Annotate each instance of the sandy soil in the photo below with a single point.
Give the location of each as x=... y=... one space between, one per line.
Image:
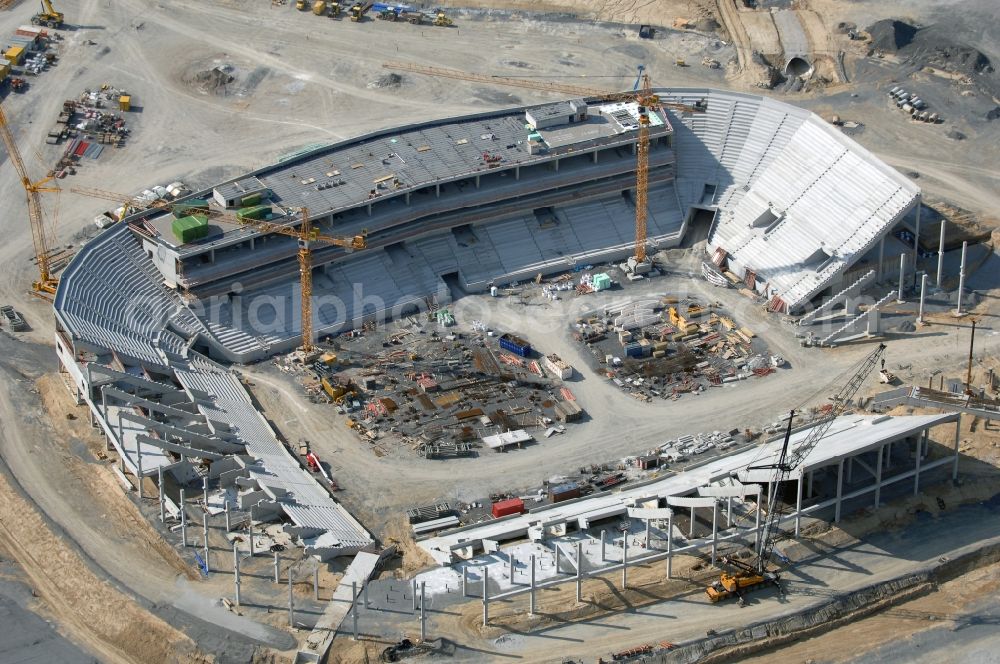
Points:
x=299 y=80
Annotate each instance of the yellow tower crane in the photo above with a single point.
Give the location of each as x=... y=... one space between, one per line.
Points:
x=305 y=234
x=46 y=284
x=644 y=97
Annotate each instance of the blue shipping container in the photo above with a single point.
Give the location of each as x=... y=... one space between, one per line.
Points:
x=515 y=345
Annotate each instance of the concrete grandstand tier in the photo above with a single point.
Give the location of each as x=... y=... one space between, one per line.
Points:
x=849 y=438
x=483 y=199
x=797 y=202
x=163 y=405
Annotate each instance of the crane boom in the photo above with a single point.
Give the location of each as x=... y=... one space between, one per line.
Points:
x=306 y=235
x=789 y=460
x=562 y=88
x=46 y=282
x=756 y=574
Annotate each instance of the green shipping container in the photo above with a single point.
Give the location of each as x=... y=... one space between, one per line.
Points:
x=255 y=212
x=252 y=199
x=187 y=208
x=191 y=228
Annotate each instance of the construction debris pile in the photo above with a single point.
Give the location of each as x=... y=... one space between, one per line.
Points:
x=441 y=393
x=663 y=348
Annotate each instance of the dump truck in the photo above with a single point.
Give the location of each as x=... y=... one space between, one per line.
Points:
x=48 y=17
x=319 y=7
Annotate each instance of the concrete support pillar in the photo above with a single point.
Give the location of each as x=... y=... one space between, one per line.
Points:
x=798 y=506
x=878 y=477
x=236 y=572
x=138 y=466
x=624 y=560
x=291 y=601
x=958 y=436
x=184 y=533
x=916 y=235
x=250 y=533
x=603 y=542
x=729 y=512
x=406 y=197
x=204 y=527
x=159 y=480
x=364 y=590
x=354 y=606
x=940 y=270
x=369 y=207
x=593 y=155
x=517 y=173
x=510 y=559
x=760 y=505
x=531 y=593
x=437 y=190
x=881 y=259
x=840 y=490
x=228 y=523
x=670 y=543
x=277 y=567
x=557 y=558
x=579 y=571
x=423 y=611
x=486 y=596
x=809 y=485
x=961 y=280
x=691 y=529
x=477 y=182
x=902 y=277
x=316 y=584
x=715 y=529
x=413 y=595
x=555 y=165
x=649 y=543
x=465 y=581
x=923 y=294
x=204 y=491
x=916 y=473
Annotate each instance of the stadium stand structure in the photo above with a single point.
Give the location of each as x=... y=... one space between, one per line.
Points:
x=125 y=340
x=143 y=318
x=797 y=202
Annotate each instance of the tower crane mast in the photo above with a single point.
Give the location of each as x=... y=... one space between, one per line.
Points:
x=305 y=234
x=46 y=284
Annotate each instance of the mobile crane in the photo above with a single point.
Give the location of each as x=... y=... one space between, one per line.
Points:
x=745 y=576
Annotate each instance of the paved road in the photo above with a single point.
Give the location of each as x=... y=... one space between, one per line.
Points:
x=24 y=635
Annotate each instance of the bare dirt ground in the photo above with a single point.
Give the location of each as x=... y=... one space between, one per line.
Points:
x=952 y=607
x=300 y=80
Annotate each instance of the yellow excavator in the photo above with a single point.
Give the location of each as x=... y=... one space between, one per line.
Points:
x=358 y=11
x=48 y=17
x=748 y=576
